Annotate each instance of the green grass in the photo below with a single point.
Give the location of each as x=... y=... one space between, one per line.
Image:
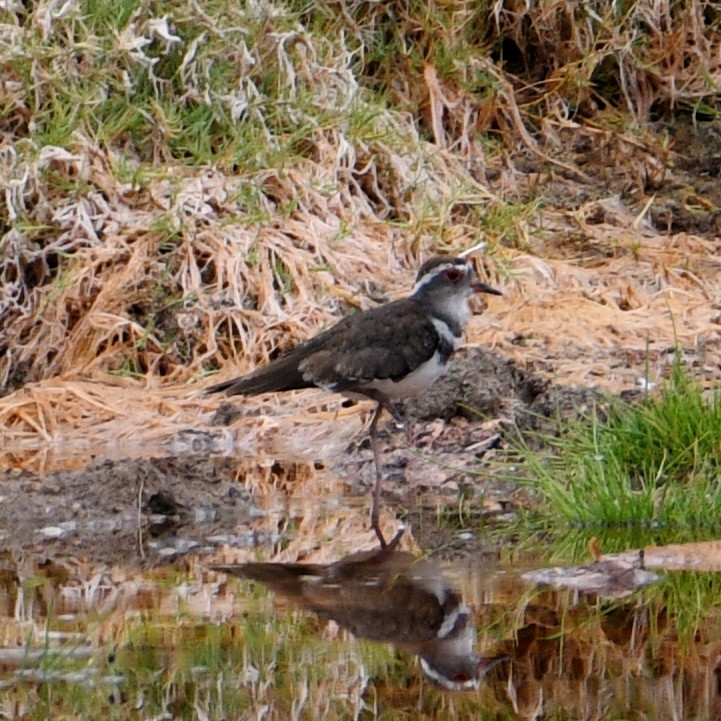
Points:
x=651 y=465
x=223 y=84
x=644 y=473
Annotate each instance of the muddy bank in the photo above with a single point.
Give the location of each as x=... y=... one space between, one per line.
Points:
x=156 y=510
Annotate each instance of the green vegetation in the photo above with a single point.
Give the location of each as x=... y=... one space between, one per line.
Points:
x=637 y=474
x=175 y=173
x=226 y=84
x=646 y=466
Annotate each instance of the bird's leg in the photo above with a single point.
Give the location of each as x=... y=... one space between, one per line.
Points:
x=400 y=417
x=382 y=403
x=375 y=507
x=395 y=540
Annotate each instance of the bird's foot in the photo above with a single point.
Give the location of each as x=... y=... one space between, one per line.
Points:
x=375 y=525
x=396 y=539
x=397 y=411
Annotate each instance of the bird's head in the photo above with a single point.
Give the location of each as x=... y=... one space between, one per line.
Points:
x=446 y=283
x=450 y=661
x=449 y=275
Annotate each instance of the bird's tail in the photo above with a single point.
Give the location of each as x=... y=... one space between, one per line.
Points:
x=278 y=576
x=280 y=375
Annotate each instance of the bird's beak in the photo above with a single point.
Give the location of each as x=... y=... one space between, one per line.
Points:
x=479 y=287
x=487 y=663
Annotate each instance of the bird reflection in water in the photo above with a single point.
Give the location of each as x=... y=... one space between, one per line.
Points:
x=388 y=596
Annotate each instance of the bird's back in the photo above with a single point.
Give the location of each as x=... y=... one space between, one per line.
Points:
x=376 y=344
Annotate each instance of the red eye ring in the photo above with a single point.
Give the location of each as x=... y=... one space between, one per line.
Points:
x=453 y=274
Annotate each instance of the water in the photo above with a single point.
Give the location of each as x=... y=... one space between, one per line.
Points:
x=102 y=620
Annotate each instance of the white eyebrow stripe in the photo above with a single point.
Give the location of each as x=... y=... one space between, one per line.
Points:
x=428 y=277
x=447 y=683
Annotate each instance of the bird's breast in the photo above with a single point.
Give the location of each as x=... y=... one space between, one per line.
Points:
x=415 y=382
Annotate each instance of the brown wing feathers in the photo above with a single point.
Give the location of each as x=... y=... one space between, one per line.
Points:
x=375 y=344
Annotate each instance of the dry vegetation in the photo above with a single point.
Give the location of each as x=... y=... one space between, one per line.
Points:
x=194 y=187
x=188 y=186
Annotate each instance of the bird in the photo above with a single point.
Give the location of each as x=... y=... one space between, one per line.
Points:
x=384 y=354
x=387 y=596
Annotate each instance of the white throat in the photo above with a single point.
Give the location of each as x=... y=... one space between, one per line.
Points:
x=454 y=307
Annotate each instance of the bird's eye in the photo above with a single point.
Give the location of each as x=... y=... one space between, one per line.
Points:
x=453 y=274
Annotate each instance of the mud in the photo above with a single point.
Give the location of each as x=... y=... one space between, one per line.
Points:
x=156 y=510
x=680 y=169
x=145 y=512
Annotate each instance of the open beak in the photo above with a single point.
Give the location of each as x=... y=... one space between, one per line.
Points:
x=479 y=287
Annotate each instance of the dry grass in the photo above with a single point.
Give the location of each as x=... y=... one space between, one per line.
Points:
x=613 y=311
x=204 y=187
x=191 y=188
x=619 y=318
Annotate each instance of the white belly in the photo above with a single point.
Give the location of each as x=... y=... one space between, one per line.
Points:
x=414 y=383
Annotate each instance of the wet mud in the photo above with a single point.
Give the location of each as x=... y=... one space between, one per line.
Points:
x=151 y=511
